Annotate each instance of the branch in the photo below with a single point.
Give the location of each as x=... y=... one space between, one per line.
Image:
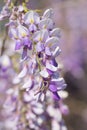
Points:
x=3 y=43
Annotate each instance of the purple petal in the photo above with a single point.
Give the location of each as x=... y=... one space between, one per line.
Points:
x=47 y=51
x=56 y=96
x=53 y=62
x=30 y=45
x=24 y=53
x=18 y=45
x=59 y=82
x=32 y=28
x=12 y=31
x=51 y=67
x=50 y=72
x=53 y=87
x=25 y=40
x=63 y=108
x=40 y=47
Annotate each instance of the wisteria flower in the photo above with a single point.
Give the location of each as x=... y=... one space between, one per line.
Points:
x=36 y=85
x=32 y=18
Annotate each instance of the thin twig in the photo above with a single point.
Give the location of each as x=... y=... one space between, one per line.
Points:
x=3 y=43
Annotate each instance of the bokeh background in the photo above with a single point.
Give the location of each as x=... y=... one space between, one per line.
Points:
x=71 y=17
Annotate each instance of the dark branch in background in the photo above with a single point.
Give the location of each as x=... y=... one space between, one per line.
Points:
x=15 y=2
x=3 y=43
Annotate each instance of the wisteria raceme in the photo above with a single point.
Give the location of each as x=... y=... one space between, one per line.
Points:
x=6 y=75
x=39 y=41
x=29 y=114
x=22 y=111
x=39 y=79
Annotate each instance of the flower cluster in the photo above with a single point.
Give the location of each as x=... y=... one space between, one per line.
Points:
x=39 y=41
x=22 y=111
x=6 y=75
x=32 y=115
x=5 y=13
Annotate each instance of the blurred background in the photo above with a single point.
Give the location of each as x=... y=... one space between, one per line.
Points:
x=71 y=17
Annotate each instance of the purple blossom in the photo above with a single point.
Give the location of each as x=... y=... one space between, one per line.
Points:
x=5 y=13
x=39 y=75
x=39 y=32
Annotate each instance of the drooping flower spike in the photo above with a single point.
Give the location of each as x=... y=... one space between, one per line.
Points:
x=39 y=79
x=37 y=36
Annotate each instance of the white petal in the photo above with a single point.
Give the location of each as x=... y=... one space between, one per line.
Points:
x=23 y=72
x=63 y=94
x=20 y=8
x=27 y=97
x=16 y=80
x=56 y=52
x=55 y=125
x=48 y=13
x=12 y=33
x=10 y=91
x=58 y=116
x=38 y=109
x=44 y=73
x=55 y=32
x=5 y=61
x=57 y=79
x=22 y=31
x=37 y=36
x=36 y=18
x=28 y=84
x=51 y=67
x=64 y=128
x=28 y=18
x=52 y=112
x=44 y=35
x=31 y=17
x=41 y=35
x=60 y=82
x=52 y=42
x=39 y=120
x=46 y=24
